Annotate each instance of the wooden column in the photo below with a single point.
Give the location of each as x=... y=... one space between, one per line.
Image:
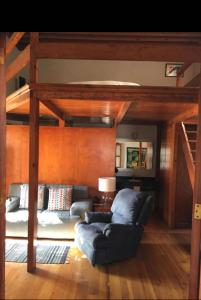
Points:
x=33 y=158
x=196 y=224
x=2 y=161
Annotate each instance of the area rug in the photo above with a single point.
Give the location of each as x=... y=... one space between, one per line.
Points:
x=45 y=253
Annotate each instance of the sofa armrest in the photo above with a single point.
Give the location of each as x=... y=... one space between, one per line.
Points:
x=12 y=203
x=79 y=208
x=102 y=217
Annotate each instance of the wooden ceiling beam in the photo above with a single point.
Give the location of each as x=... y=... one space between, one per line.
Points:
x=166 y=37
x=190 y=113
x=12 y=42
x=194 y=82
x=184 y=68
x=120 y=50
x=19 y=63
x=122 y=111
x=115 y=93
x=60 y=115
x=181 y=72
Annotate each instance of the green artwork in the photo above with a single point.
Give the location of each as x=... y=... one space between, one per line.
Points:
x=134 y=159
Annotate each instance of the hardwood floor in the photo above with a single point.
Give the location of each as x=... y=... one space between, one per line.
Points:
x=160 y=270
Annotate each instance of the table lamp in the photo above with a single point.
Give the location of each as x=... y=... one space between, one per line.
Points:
x=107 y=185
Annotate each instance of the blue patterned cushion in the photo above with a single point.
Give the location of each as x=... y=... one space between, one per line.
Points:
x=60 y=198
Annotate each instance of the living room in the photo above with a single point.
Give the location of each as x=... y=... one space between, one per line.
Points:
x=74 y=154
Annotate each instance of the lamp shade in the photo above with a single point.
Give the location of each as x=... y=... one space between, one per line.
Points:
x=107 y=184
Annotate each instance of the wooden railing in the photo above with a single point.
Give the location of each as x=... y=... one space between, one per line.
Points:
x=187 y=154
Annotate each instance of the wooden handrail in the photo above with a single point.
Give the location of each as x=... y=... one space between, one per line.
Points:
x=187 y=154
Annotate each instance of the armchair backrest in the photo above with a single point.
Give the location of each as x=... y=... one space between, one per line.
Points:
x=130 y=207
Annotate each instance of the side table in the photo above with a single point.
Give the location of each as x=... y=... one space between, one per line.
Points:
x=101 y=207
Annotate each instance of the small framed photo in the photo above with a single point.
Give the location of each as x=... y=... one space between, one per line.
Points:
x=171 y=70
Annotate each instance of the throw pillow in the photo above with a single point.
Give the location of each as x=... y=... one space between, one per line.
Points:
x=12 y=203
x=60 y=198
x=24 y=196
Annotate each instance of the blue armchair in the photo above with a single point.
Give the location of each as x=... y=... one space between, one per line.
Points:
x=113 y=236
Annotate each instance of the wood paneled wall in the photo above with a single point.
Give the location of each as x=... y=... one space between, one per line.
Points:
x=183 y=191
x=175 y=200
x=67 y=155
x=165 y=176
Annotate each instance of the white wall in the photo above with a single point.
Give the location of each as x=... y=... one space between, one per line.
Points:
x=146 y=133
x=64 y=71
x=144 y=73
x=191 y=72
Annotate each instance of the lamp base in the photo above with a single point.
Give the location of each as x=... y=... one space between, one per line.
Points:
x=106 y=198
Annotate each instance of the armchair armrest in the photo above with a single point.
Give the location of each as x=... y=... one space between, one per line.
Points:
x=113 y=230
x=79 y=208
x=102 y=217
x=88 y=233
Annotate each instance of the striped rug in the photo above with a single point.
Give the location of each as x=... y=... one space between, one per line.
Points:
x=45 y=253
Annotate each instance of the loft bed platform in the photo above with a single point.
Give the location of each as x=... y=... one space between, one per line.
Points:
x=131 y=103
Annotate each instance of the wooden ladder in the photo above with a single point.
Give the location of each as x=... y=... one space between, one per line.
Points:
x=188 y=133
x=191 y=131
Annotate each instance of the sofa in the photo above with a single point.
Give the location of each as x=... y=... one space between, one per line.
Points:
x=107 y=237
x=53 y=222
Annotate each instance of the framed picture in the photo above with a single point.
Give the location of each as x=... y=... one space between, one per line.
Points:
x=171 y=70
x=135 y=159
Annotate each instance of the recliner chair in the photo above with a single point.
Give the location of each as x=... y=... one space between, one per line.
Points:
x=106 y=237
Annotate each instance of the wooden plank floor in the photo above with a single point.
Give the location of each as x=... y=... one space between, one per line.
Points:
x=160 y=270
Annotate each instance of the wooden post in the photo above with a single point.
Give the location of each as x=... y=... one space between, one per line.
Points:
x=2 y=161
x=33 y=158
x=140 y=155
x=196 y=224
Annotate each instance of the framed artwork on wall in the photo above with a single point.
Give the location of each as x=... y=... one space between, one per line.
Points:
x=171 y=70
x=136 y=157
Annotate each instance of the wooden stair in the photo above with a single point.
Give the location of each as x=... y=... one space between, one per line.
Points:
x=188 y=133
x=191 y=131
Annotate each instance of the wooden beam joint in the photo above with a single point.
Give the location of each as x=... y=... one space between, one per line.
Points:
x=55 y=111
x=12 y=42
x=18 y=64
